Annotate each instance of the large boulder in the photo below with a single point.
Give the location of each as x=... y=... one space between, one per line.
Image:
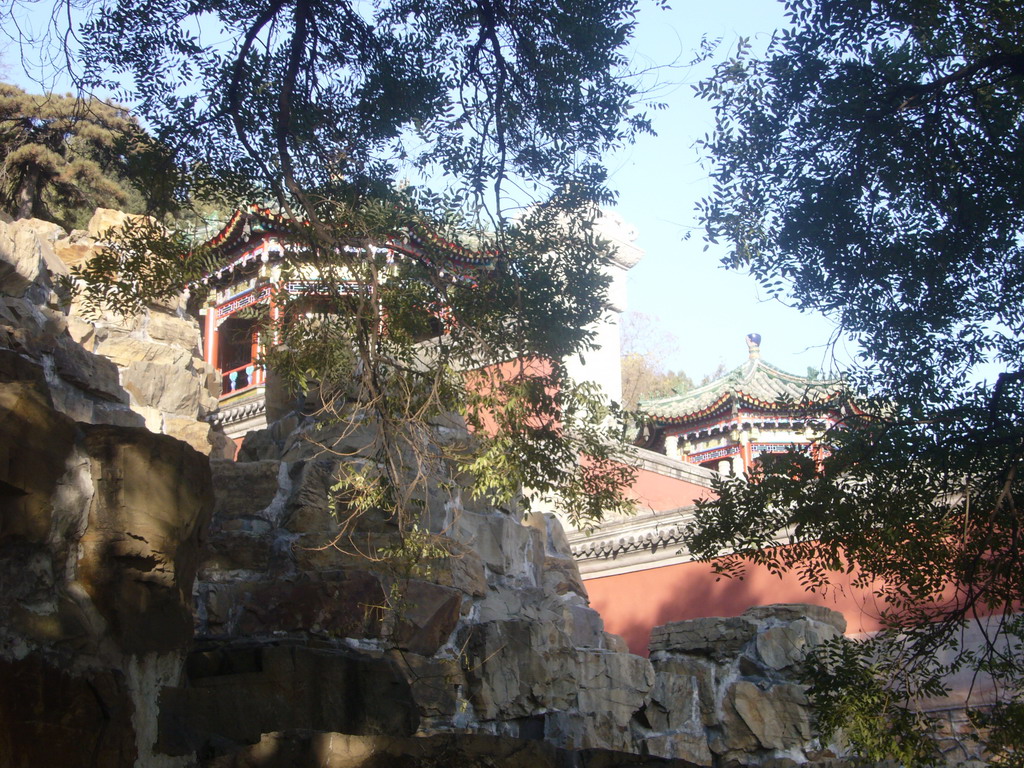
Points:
x=100 y=527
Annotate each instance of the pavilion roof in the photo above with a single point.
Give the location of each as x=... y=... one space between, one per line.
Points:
x=416 y=239
x=244 y=223
x=756 y=385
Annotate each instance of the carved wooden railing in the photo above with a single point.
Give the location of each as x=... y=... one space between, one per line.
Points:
x=242 y=378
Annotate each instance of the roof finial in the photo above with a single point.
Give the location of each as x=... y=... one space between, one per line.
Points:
x=754 y=345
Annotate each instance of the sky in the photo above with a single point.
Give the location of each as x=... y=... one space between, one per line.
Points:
x=708 y=309
x=700 y=311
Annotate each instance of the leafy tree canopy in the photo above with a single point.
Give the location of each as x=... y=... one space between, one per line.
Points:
x=870 y=162
x=63 y=157
x=481 y=120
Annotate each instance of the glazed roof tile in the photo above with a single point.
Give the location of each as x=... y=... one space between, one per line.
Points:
x=755 y=384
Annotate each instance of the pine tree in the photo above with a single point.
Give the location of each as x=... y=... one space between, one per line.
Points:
x=64 y=156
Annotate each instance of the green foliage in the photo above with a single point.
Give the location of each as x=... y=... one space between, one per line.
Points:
x=303 y=97
x=554 y=440
x=1004 y=726
x=857 y=708
x=326 y=109
x=868 y=162
x=139 y=262
x=63 y=157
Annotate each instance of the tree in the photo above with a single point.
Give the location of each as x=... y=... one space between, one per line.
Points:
x=869 y=162
x=644 y=349
x=331 y=111
x=63 y=157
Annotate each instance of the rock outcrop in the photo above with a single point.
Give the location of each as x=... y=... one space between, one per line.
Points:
x=727 y=691
x=102 y=368
x=494 y=638
x=161 y=611
x=99 y=542
x=100 y=517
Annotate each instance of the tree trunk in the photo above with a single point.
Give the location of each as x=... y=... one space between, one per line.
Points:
x=28 y=192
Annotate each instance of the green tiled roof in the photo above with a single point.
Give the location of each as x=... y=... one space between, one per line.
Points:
x=755 y=384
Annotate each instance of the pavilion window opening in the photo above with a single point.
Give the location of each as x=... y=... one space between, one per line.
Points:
x=238 y=352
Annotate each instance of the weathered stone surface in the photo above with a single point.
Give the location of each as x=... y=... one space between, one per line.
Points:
x=173 y=331
x=425 y=616
x=21 y=257
x=502 y=602
x=516 y=668
x=36 y=444
x=561 y=576
x=785 y=646
x=348 y=605
x=462 y=569
x=505 y=546
x=787 y=612
x=612 y=687
x=73 y=253
x=259 y=446
x=309 y=506
x=703 y=674
x=237 y=693
x=776 y=718
x=140 y=550
x=615 y=643
x=125 y=350
x=674 y=704
x=316 y=552
x=197 y=434
x=714 y=637
x=495 y=637
x=93 y=374
x=731 y=686
x=681 y=746
x=53 y=717
x=337 y=750
x=99 y=538
x=106 y=219
x=350 y=440
x=82 y=332
x=161 y=386
x=586 y=627
x=243 y=488
x=436 y=685
x=47 y=231
x=100 y=388
x=30 y=328
x=236 y=550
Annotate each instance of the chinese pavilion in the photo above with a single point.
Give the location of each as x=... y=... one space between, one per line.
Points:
x=250 y=251
x=755 y=409
x=721 y=427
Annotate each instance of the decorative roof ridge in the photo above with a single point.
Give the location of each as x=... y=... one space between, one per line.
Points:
x=709 y=387
x=732 y=383
x=416 y=238
x=653 y=532
x=774 y=370
x=237 y=221
x=754 y=384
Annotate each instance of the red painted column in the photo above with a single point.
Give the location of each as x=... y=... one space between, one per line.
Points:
x=211 y=336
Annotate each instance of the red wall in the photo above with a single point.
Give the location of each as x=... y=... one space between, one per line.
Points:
x=659 y=492
x=631 y=604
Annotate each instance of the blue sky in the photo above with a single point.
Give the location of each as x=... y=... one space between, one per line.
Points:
x=707 y=309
